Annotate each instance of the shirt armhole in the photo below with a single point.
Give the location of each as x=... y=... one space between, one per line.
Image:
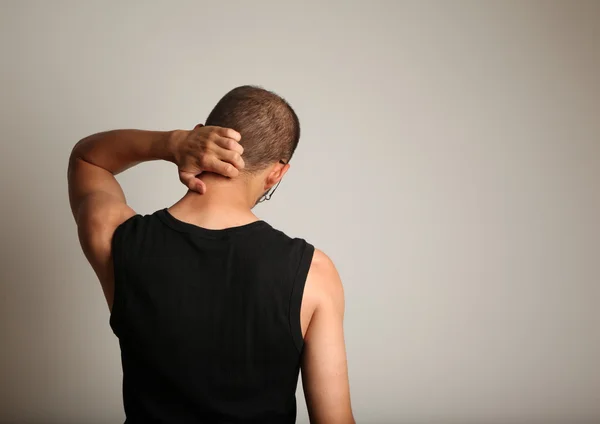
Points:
x=297 y=293
x=117 y=251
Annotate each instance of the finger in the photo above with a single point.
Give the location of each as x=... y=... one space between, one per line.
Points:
x=228 y=133
x=190 y=181
x=186 y=179
x=219 y=167
x=230 y=156
x=229 y=144
x=200 y=186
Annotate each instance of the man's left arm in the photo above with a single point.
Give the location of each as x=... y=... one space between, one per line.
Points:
x=97 y=200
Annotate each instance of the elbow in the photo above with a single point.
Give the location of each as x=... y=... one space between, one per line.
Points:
x=72 y=164
x=77 y=150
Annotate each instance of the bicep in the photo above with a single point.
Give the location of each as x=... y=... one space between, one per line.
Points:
x=324 y=364
x=98 y=205
x=98 y=217
x=87 y=180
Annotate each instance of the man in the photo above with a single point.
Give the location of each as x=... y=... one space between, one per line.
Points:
x=214 y=309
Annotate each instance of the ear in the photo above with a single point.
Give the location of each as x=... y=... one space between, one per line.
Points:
x=276 y=175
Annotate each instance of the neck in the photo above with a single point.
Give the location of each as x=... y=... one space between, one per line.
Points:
x=227 y=203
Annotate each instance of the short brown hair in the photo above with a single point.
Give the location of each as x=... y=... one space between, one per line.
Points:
x=268 y=125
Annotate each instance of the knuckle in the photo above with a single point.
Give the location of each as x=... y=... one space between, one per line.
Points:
x=204 y=161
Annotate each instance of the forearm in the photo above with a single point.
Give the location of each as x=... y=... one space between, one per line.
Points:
x=117 y=150
x=95 y=160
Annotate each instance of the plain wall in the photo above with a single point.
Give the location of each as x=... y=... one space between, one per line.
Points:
x=449 y=164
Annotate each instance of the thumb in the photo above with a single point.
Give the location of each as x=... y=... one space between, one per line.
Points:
x=190 y=180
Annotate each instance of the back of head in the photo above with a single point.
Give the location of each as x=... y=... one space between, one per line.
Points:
x=268 y=125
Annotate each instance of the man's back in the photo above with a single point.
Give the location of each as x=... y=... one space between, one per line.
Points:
x=215 y=310
x=208 y=320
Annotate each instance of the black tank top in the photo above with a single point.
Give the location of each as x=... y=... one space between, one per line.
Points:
x=208 y=321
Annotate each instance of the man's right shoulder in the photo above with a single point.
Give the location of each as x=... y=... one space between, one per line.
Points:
x=322 y=265
x=323 y=283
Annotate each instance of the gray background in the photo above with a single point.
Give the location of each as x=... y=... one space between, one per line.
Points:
x=449 y=164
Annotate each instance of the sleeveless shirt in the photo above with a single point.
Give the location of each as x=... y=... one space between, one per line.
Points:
x=208 y=321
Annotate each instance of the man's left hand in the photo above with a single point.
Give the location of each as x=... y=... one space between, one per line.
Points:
x=206 y=149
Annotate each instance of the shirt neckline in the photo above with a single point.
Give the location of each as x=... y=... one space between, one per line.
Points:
x=186 y=227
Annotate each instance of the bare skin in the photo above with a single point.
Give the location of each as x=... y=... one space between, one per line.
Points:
x=220 y=199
